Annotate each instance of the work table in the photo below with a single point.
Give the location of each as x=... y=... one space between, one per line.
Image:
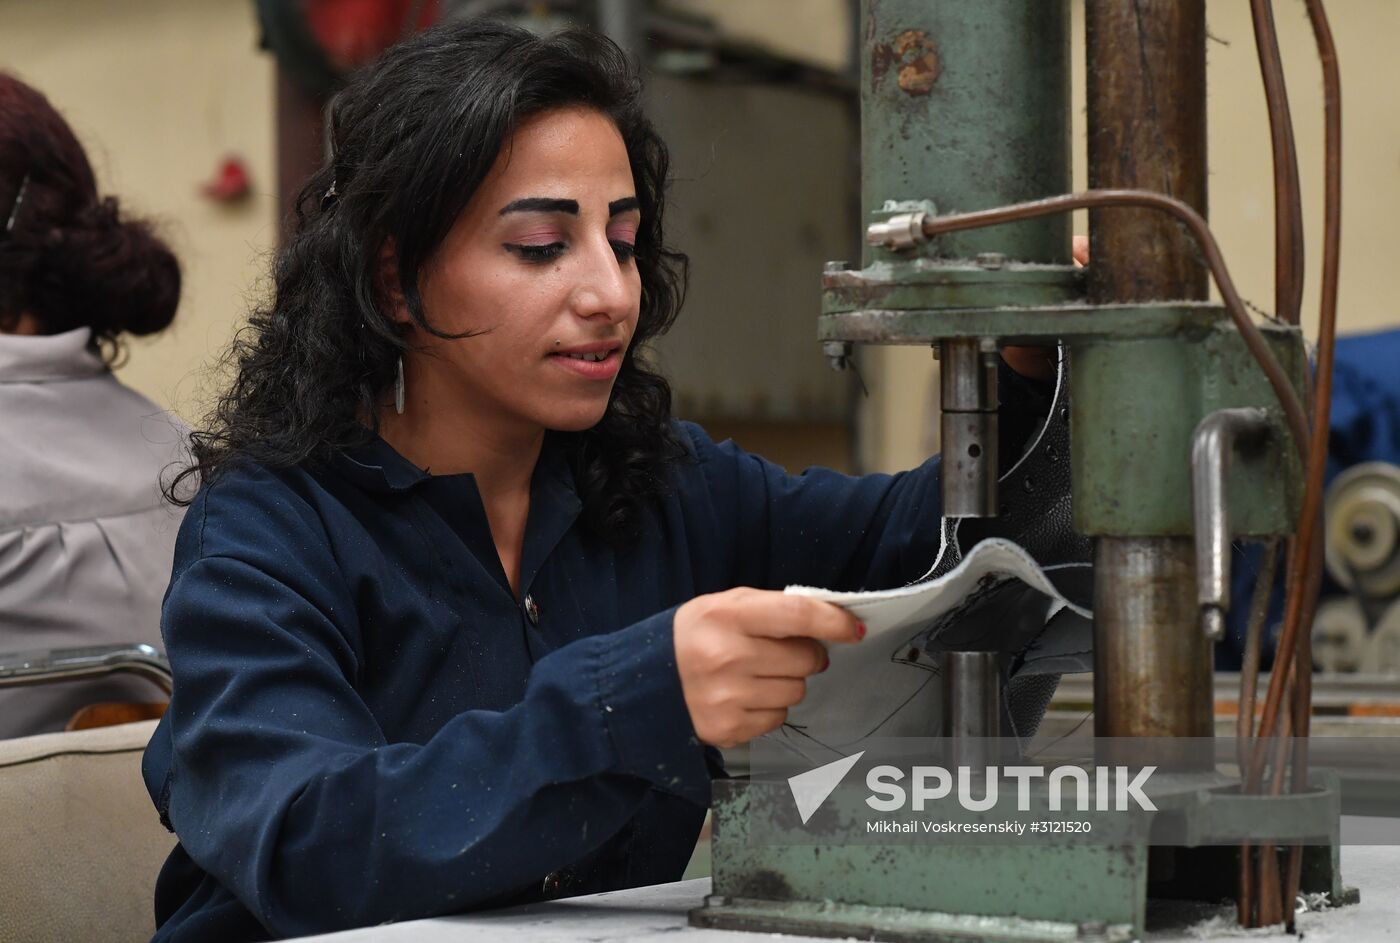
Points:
x=657 y=914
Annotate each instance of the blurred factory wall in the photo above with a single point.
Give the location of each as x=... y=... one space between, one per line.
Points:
x=159 y=91
x=748 y=158
x=1241 y=182
x=765 y=191
x=813 y=31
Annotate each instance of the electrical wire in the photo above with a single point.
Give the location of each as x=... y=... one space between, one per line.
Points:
x=1294 y=655
x=1302 y=706
x=1253 y=644
x=1326 y=351
x=1300 y=590
x=1271 y=904
x=1244 y=717
x=1288 y=200
x=1288 y=288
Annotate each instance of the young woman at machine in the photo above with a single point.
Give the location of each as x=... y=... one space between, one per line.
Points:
x=460 y=612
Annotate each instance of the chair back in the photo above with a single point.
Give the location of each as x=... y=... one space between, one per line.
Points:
x=82 y=842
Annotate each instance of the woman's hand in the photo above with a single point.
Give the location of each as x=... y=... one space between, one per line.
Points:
x=1038 y=363
x=744 y=656
x=1079 y=250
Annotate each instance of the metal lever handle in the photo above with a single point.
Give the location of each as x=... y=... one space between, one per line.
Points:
x=1212 y=444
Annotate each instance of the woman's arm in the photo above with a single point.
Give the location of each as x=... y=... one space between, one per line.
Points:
x=820 y=528
x=842 y=532
x=281 y=784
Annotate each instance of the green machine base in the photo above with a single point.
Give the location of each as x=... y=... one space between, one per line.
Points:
x=1039 y=891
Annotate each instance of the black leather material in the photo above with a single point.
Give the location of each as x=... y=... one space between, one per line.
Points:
x=1035 y=512
x=1034 y=502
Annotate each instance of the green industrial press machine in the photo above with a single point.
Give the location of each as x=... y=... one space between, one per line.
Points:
x=1180 y=444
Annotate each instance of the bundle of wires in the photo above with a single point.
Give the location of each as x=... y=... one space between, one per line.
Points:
x=1281 y=737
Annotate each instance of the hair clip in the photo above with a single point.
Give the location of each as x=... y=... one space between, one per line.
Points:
x=19 y=200
x=330 y=193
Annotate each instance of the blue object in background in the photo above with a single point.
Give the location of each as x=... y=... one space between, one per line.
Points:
x=1365 y=427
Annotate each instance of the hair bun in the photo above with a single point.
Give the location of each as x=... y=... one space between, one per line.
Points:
x=104 y=214
x=113 y=275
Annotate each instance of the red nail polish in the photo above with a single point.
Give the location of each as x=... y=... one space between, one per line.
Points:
x=825 y=665
x=860 y=630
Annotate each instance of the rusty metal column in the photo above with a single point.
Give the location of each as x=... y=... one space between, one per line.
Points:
x=1147 y=128
x=1146 y=76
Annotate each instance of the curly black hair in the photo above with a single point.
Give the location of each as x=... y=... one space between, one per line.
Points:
x=412 y=137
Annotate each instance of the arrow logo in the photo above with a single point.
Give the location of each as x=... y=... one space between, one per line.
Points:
x=810 y=789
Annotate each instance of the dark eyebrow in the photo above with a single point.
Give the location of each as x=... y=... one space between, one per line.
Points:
x=541 y=204
x=622 y=206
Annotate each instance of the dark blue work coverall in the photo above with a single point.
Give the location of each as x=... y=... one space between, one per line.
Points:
x=367 y=725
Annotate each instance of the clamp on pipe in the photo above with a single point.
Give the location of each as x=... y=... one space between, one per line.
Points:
x=1212 y=444
x=899 y=232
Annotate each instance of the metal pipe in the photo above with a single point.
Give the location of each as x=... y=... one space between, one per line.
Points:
x=1146 y=84
x=1214 y=441
x=1146 y=70
x=968 y=377
x=1152 y=670
x=972 y=706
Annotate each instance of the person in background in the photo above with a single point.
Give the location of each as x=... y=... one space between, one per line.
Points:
x=86 y=539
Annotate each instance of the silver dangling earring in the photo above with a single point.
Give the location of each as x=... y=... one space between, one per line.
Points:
x=398 y=389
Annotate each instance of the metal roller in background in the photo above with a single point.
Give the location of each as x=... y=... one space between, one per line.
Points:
x=1340 y=638
x=1363 y=530
x=1383 y=646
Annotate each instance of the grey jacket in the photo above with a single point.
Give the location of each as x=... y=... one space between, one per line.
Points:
x=86 y=540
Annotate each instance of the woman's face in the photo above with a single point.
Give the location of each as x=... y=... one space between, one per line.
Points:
x=540 y=265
